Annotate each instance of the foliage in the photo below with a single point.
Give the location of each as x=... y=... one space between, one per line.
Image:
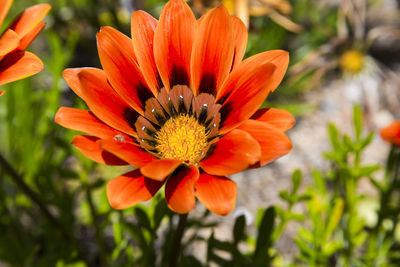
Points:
x=64 y=219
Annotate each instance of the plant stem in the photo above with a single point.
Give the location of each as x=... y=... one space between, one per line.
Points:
x=97 y=227
x=176 y=247
x=17 y=179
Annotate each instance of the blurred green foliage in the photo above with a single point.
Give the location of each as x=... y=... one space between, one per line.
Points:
x=87 y=232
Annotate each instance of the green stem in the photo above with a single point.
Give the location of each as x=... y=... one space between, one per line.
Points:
x=176 y=248
x=17 y=179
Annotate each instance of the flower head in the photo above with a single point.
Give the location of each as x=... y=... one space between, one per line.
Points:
x=15 y=63
x=177 y=102
x=391 y=133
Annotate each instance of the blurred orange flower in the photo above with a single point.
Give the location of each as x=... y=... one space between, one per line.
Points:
x=391 y=133
x=15 y=63
x=177 y=102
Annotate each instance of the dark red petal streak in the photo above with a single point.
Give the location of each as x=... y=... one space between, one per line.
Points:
x=217 y=193
x=173 y=40
x=179 y=190
x=103 y=101
x=117 y=58
x=129 y=152
x=89 y=146
x=130 y=189
x=213 y=51
x=235 y=152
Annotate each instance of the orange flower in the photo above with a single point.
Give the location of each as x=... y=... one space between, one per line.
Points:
x=15 y=63
x=176 y=102
x=391 y=133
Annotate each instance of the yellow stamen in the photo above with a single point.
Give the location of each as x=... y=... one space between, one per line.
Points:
x=182 y=138
x=352 y=61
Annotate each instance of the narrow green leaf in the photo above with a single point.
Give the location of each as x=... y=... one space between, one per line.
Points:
x=238 y=229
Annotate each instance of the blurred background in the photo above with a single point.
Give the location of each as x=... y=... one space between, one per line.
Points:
x=343 y=53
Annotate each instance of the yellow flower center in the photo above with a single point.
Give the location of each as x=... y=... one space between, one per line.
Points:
x=352 y=61
x=182 y=138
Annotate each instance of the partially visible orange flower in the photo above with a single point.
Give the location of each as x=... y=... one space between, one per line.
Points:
x=177 y=102
x=15 y=63
x=391 y=133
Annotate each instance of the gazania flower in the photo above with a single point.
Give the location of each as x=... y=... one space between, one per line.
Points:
x=15 y=64
x=176 y=102
x=391 y=133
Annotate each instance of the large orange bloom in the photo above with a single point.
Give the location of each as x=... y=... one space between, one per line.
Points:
x=391 y=133
x=176 y=102
x=15 y=63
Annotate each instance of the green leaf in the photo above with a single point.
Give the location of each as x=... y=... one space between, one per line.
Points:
x=161 y=210
x=296 y=180
x=366 y=141
x=357 y=120
x=334 y=218
x=238 y=229
x=143 y=218
x=285 y=196
x=261 y=255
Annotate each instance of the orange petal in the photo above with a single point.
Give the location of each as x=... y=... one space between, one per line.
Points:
x=179 y=190
x=2 y=92
x=235 y=152
x=213 y=51
x=173 y=40
x=240 y=37
x=30 y=36
x=89 y=147
x=4 y=8
x=273 y=142
x=217 y=193
x=279 y=58
x=130 y=189
x=93 y=87
x=8 y=42
x=143 y=26
x=28 y=19
x=391 y=133
x=85 y=121
x=115 y=51
x=128 y=152
x=159 y=169
x=18 y=66
x=279 y=118
x=249 y=90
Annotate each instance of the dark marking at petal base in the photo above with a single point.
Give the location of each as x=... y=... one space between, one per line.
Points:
x=225 y=111
x=203 y=115
x=172 y=110
x=208 y=84
x=143 y=93
x=149 y=132
x=181 y=106
x=160 y=118
x=179 y=76
x=130 y=116
x=150 y=142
